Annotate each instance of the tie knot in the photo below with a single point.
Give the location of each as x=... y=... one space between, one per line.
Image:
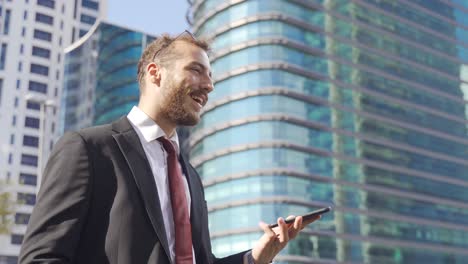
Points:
x=167 y=145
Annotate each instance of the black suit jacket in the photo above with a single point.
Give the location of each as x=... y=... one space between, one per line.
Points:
x=98 y=203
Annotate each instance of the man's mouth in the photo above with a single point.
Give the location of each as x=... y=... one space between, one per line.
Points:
x=200 y=99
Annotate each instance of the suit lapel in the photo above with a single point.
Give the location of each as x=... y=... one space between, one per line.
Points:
x=196 y=204
x=130 y=146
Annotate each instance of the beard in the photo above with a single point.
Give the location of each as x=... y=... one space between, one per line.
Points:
x=175 y=106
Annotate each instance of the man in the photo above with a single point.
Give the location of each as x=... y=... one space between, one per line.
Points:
x=121 y=193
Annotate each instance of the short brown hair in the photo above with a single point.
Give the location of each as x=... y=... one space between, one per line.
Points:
x=162 y=52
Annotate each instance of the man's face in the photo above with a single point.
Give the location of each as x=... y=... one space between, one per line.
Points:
x=186 y=85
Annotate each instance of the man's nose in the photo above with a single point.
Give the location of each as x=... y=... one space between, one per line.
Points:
x=207 y=85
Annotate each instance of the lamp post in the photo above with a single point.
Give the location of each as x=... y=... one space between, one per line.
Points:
x=43 y=104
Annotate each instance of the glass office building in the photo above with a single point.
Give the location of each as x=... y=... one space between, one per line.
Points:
x=117 y=89
x=361 y=105
x=101 y=69
x=79 y=82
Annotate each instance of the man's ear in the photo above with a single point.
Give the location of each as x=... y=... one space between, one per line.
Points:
x=153 y=72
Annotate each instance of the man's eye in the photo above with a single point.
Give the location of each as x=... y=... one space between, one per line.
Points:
x=197 y=70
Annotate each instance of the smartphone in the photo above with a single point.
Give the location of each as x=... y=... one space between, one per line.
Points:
x=306 y=217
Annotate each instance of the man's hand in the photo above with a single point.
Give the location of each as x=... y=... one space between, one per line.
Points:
x=274 y=240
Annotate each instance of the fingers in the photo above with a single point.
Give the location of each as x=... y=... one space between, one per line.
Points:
x=269 y=244
x=298 y=223
x=296 y=227
x=283 y=234
x=266 y=229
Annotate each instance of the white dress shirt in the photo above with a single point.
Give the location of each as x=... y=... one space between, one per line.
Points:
x=148 y=132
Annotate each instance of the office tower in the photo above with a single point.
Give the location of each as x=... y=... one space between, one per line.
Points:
x=33 y=36
x=117 y=89
x=355 y=104
x=101 y=70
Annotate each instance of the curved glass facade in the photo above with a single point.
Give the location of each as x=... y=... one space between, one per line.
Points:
x=361 y=105
x=117 y=88
x=79 y=84
x=100 y=76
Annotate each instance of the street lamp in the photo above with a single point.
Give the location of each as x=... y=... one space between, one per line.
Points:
x=43 y=103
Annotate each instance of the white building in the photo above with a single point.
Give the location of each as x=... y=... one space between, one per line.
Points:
x=33 y=37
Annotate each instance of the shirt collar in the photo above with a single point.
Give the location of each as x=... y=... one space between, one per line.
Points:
x=147 y=127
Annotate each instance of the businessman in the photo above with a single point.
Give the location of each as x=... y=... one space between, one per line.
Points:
x=122 y=193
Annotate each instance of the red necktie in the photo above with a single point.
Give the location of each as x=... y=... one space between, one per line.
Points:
x=180 y=213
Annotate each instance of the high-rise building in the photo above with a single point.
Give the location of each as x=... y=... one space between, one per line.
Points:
x=100 y=79
x=117 y=89
x=354 y=104
x=33 y=36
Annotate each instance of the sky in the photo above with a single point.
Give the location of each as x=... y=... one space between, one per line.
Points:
x=150 y=16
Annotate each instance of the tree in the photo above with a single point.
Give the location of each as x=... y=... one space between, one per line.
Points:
x=6 y=209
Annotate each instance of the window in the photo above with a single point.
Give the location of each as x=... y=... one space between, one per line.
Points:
x=75 y=9
x=31 y=141
x=6 y=22
x=33 y=105
x=40 y=52
x=9 y=259
x=16 y=239
x=20 y=66
x=87 y=19
x=3 y=56
x=29 y=160
x=46 y=3
x=1 y=90
x=90 y=4
x=12 y=139
x=10 y=158
x=21 y=49
x=13 y=121
x=16 y=102
x=31 y=122
x=28 y=179
x=39 y=69
x=73 y=34
x=23 y=32
x=73 y=67
x=83 y=32
x=44 y=19
x=22 y=218
x=26 y=198
x=18 y=84
x=42 y=35
x=25 y=15
x=37 y=87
